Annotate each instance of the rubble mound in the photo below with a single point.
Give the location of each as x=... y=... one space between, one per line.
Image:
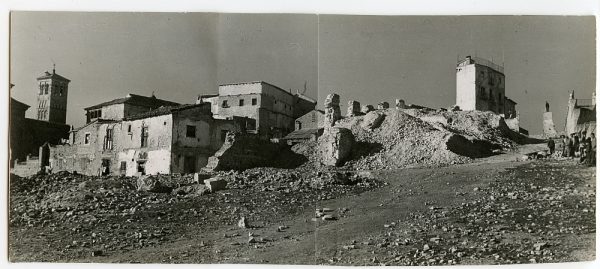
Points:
x=411 y=137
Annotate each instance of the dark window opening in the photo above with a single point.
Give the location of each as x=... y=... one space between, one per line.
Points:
x=254 y=101
x=190 y=131
x=144 y=142
x=129 y=128
x=224 y=104
x=105 y=167
x=224 y=135
x=141 y=167
x=123 y=168
x=241 y=102
x=108 y=139
x=86 y=140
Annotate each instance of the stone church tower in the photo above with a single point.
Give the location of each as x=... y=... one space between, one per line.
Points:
x=52 y=97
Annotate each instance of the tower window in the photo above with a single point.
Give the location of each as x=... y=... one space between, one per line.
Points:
x=224 y=104
x=241 y=102
x=45 y=88
x=253 y=101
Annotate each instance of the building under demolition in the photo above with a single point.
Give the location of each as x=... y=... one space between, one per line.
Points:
x=273 y=108
x=169 y=139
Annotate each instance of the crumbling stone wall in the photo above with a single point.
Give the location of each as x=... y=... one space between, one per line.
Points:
x=332 y=109
x=335 y=146
x=353 y=109
x=244 y=151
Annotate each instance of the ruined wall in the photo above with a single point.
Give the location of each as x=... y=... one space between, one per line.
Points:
x=30 y=166
x=243 y=151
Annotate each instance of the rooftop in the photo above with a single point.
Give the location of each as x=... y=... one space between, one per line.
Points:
x=164 y=110
x=256 y=82
x=53 y=75
x=136 y=100
x=480 y=61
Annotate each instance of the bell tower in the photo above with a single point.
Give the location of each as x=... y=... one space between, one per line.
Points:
x=52 y=97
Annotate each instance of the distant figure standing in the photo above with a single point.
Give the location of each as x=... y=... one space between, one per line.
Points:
x=566 y=149
x=551 y=146
x=575 y=148
x=570 y=147
x=589 y=151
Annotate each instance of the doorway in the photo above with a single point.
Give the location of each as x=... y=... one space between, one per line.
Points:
x=189 y=164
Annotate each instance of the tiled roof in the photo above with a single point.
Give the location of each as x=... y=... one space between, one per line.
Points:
x=53 y=75
x=15 y=103
x=95 y=121
x=164 y=110
x=302 y=134
x=257 y=82
x=136 y=100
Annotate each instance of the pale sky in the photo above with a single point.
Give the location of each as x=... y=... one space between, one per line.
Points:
x=364 y=58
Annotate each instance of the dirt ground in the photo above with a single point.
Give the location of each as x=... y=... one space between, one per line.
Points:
x=497 y=210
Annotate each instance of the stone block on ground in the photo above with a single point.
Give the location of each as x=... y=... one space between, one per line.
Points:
x=151 y=183
x=215 y=184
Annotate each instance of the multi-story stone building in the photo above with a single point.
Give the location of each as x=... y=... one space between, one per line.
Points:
x=273 y=108
x=480 y=86
x=175 y=139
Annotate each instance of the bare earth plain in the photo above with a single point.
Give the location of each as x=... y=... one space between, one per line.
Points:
x=496 y=210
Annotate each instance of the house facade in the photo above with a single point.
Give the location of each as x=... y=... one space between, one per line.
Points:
x=480 y=85
x=166 y=140
x=273 y=108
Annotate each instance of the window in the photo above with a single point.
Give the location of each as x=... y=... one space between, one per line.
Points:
x=45 y=88
x=482 y=92
x=253 y=101
x=129 y=128
x=108 y=139
x=224 y=104
x=86 y=139
x=241 y=102
x=314 y=117
x=60 y=91
x=123 y=168
x=144 y=142
x=41 y=88
x=190 y=131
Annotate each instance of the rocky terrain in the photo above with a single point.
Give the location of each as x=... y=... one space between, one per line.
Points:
x=418 y=187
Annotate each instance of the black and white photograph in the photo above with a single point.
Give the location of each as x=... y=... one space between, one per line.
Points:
x=300 y=138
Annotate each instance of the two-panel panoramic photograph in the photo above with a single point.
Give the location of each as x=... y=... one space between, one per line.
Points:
x=295 y=138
